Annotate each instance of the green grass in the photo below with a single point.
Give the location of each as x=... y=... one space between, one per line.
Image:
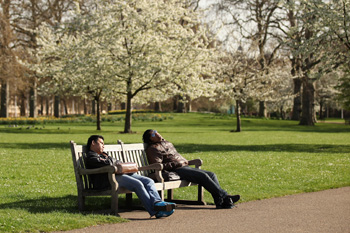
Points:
x=269 y=158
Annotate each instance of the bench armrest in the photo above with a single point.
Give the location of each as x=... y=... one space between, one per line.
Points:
x=155 y=166
x=196 y=162
x=106 y=169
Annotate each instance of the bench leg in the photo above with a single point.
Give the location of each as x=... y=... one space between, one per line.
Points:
x=114 y=203
x=81 y=202
x=128 y=199
x=161 y=194
x=201 y=195
x=170 y=195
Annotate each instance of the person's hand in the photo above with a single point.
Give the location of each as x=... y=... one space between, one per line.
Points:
x=183 y=163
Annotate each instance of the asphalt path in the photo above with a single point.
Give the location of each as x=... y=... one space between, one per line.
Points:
x=325 y=211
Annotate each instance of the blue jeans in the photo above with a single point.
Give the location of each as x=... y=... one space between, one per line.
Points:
x=204 y=178
x=143 y=187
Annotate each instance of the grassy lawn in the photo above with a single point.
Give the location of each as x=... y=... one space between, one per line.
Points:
x=269 y=158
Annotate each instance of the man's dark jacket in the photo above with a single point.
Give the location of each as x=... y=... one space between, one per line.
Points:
x=94 y=160
x=165 y=153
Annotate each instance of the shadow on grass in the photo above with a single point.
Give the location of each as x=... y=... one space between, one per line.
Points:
x=67 y=204
x=45 y=204
x=309 y=148
x=41 y=131
x=31 y=145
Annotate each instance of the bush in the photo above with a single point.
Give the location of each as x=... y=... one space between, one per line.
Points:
x=114 y=112
x=81 y=119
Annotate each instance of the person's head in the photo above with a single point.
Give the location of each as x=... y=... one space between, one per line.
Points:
x=96 y=143
x=151 y=136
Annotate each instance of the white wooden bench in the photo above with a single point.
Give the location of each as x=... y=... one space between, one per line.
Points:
x=126 y=153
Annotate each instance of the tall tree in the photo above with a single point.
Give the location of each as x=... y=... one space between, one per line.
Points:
x=318 y=42
x=255 y=21
x=302 y=42
x=6 y=56
x=237 y=80
x=123 y=49
x=334 y=28
x=295 y=33
x=26 y=16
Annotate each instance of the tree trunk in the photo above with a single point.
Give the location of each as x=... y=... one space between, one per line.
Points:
x=307 y=116
x=297 y=99
x=282 y=116
x=98 y=113
x=175 y=103
x=181 y=106
x=41 y=106
x=85 y=107
x=57 y=109
x=5 y=95
x=6 y=57
x=262 y=109
x=238 y=115
x=22 y=109
x=157 y=106
x=65 y=107
x=122 y=106
x=32 y=102
x=321 y=116
x=127 y=126
x=47 y=106
x=93 y=107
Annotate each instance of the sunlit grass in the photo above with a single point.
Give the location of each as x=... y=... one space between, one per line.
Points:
x=269 y=158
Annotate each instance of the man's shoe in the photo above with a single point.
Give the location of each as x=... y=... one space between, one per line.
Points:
x=162 y=214
x=164 y=206
x=231 y=199
x=228 y=202
x=225 y=206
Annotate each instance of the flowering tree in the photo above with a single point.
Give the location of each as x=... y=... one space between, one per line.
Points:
x=253 y=22
x=326 y=91
x=239 y=78
x=334 y=27
x=122 y=49
x=318 y=41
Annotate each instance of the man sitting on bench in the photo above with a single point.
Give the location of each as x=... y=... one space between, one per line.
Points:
x=159 y=150
x=142 y=186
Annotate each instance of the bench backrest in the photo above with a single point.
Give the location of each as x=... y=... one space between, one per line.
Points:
x=123 y=152
x=135 y=153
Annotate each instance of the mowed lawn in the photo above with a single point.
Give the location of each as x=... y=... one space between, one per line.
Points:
x=269 y=158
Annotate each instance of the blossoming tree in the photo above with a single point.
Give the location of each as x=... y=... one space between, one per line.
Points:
x=122 y=49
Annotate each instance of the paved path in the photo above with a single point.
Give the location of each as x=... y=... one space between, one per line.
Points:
x=326 y=211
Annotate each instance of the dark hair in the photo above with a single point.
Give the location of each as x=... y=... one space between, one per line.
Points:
x=146 y=137
x=93 y=138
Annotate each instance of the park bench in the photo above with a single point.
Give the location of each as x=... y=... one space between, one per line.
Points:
x=126 y=153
